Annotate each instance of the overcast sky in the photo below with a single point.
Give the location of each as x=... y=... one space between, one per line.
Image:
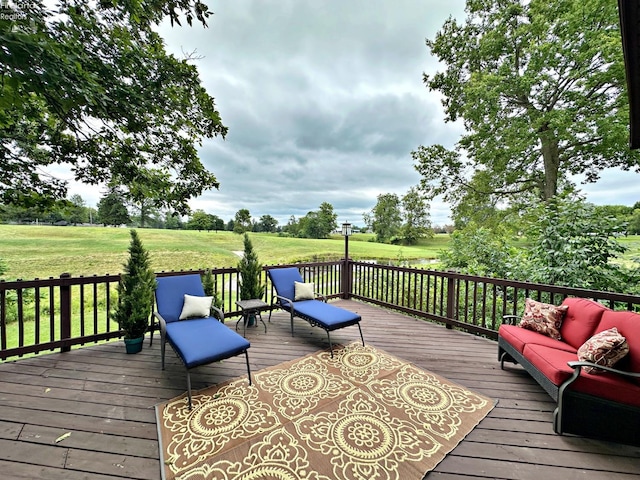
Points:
x=324 y=101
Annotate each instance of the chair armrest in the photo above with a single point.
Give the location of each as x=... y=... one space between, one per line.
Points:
x=217 y=313
x=161 y=322
x=288 y=300
x=510 y=319
x=321 y=297
x=577 y=366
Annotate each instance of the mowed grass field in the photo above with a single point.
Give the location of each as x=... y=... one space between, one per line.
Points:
x=40 y=251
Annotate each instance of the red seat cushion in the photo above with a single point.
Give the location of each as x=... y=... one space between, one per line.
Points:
x=519 y=337
x=628 y=324
x=581 y=320
x=552 y=364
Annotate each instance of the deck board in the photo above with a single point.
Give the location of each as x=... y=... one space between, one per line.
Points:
x=105 y=400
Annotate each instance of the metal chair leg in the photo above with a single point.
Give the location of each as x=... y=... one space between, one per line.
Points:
x=361 y=337
x=246 y=354
x=330 y=345
x=189 y=387
x=292 y=323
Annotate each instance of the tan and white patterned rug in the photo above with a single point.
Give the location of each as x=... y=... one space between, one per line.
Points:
x=363 y=414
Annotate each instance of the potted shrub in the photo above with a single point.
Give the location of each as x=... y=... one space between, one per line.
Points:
x=135 y=296
x=250 y=270
x=209 y=287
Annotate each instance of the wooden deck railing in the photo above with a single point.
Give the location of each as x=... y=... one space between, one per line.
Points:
x=58 y=313
x=476 y=304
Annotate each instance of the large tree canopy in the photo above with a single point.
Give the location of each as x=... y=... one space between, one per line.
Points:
x=539 y=86
x=88 y=85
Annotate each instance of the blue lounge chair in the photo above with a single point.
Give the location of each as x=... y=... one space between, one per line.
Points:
x=197 y=341
x=317 y=312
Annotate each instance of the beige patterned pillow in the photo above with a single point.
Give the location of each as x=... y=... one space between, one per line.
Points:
x=303 y=291
x=543 y=318
x=604 y=348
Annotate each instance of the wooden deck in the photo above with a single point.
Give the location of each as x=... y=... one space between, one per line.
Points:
x=104 y=399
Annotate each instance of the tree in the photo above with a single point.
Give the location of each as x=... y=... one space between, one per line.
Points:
x=385 y=219
x=199 y=220
x=267 y=224
x=218 y=223
x=292 y=227
x=173 y=221
x=416 y=217
x=89 y=85
x=477 y=250
x=571 y=245
x=318 y=224
x=242 y=221
x=634 y=222
x=76 y=211
x=539 y=86
x=112 y=210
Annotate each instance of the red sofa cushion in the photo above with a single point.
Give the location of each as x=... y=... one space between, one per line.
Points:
x=519 y=337
x=552 y=363
x=628 y=324
x=581 y=320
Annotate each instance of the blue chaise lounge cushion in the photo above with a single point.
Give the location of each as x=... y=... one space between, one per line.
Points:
x=194 y=340
x=328 y=316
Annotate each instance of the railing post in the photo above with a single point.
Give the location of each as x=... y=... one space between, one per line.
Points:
x=65 y=311
x=451 y=300
x=345 y=281
x=346 y=272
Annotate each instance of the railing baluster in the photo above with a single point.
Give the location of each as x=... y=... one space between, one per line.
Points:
x=36 y=311
x=3 y=320
x=52 y=320
x=449 y=297
x=95 y=308
x=82 y=315
x=20 y=310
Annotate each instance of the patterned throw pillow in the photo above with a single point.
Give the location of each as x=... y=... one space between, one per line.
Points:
x=543 y=318
x=604 y=348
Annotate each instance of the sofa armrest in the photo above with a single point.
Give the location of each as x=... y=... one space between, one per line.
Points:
x=510 y=319
x=577 y=366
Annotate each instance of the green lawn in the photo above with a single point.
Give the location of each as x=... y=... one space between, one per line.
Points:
x=31 y=251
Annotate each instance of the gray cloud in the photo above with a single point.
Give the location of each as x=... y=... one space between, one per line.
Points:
x=324 y=102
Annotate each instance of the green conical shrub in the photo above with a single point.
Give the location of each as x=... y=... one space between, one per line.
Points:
x=250 y=273
x=135 y=291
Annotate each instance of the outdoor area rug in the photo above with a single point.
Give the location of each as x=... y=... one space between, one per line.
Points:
x=363 y=414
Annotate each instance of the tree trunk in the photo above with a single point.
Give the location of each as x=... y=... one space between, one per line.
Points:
x=551 y=161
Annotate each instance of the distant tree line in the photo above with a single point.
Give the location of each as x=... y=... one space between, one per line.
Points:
x=115 y=209
x=393 y=219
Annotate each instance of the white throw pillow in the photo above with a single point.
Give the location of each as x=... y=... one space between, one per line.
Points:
x=197 y=307
x=303 y=291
